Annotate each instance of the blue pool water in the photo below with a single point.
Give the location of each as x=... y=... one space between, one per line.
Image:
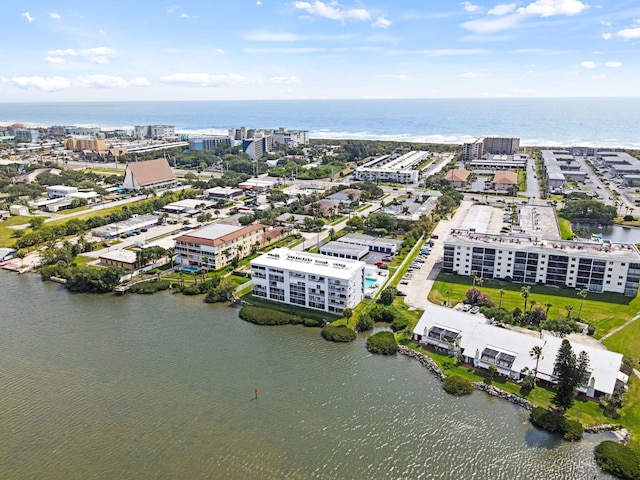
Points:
x=368 y=282
x=190 y=269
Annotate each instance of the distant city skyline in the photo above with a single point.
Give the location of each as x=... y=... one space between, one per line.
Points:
x=348 y=49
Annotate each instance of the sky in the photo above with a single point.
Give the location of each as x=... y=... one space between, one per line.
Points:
x=274 y=49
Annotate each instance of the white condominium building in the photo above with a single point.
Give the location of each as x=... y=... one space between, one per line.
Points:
x=390 y=169
x=593 y=266
x=308 y=280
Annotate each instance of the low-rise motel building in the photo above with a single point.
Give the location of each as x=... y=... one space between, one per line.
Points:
x=600 y=266
x=308 y=280
x=216 y=245
x=482 y=345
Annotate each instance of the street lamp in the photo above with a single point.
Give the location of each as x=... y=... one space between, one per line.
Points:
x=448 y=298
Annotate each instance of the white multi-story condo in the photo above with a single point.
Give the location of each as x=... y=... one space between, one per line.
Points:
x=390 y=169
x=308 y=280
x=154 y=131
x=593 y=266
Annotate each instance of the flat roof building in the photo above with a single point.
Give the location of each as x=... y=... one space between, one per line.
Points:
x=392 y=169
x=222 y=193
x=374 y=244
x=344 y=250
x=592 y=266
x=308 y=280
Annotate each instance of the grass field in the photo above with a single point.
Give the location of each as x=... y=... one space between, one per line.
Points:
x=604 y=310
x=6 y=234
x=565 y=228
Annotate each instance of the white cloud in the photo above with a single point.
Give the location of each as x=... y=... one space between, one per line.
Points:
x=629 y=33
x=95 y=55
x=502 y=9
x=472 y=75
x=48 y=84
x=60 y=53
x=54 y=59
x=444 y=52
x=262 y=36
x=28 y=17
x=55 y=16
x=599 y=75
x=607 y=36
x=613 y=64
x=381 y=22
x=184 y=15
x=173 y=8
x=471 y=8
x=605 y=23
x=202 y=79
x=285 y=50
x=258 y=3
x=588 y=64
x=100 y=80
x=489 y=25
x=140 y=82
x=285 y=80
x=218 y=51
x=549 y=8
x=332 y=11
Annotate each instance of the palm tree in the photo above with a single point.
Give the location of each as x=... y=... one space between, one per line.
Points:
x=405 y=210
x=536 y=352
x=474 y=276
x=569 y=308
x=582 y=294
x=217 y=212
x=524 y=292
x=532 y=303
x=548 y=305
x=500 y=292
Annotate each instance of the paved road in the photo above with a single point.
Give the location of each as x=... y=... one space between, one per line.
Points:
x=532 y=181
x=420 y=285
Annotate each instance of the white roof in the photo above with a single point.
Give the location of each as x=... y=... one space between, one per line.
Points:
x=477 y=334
x=313 y=263
x=83 y=195
x=190 y=203
x=126 y=256
x=214 y=230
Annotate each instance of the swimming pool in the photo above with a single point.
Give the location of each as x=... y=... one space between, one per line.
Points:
x=369 y=282
x=190 y=269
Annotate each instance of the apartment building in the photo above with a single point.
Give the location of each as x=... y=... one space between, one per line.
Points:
x=215 y=246
x=490 y=145
x=592 y=266
x=210 y=143
x=308 y=280
x=392 y=169
x=155 y=132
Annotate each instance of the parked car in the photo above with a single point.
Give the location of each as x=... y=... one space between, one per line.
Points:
x=400 y=293
x=379 y=264
x=474 y=309
x=435 y=237
x=466 y=307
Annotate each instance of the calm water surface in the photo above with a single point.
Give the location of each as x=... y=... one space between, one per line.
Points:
x=140 y=387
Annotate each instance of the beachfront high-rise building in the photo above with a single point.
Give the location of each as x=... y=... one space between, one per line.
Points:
x=490 y=145
x=155 y=132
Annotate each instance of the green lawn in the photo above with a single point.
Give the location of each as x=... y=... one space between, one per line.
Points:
x=604 y=310
x=6 y=234
x=565 y=228
x=281 y=307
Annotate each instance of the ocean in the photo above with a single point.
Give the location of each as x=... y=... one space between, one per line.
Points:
x=598 y=122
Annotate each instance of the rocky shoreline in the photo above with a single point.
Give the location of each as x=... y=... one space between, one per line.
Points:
x=622 y=433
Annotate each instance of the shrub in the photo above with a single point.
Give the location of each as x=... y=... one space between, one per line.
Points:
x=383 y=343
x=400 y=323
x=312 y=322
x=387 y=295
x=364 y=323
x=149 y=287
x=618 y=460
x=555 y=422
x=381 y=314
x=573 y=430
x=266 y=316
x=457 y=385
x=339 y=333
x=550 y=421
x=628 y=218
